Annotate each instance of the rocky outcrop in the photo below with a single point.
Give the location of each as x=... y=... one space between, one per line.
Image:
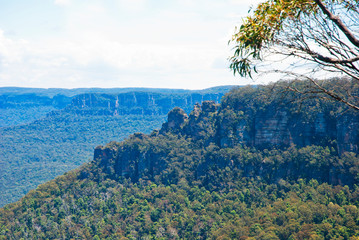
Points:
x=176 y=118
x=134 y=160
x=201 y=125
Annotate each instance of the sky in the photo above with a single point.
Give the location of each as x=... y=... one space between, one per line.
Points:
x=119 y=43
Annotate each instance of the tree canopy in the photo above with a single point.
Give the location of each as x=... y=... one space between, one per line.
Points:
x=321 y=35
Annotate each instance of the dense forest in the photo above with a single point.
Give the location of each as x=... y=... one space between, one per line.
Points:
x=46 y=132
x=225 y=171
x=39 y=151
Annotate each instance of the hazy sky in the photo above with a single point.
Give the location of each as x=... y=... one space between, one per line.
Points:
x=118 y=43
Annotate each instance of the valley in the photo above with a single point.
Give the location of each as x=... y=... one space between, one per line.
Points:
x=51 y=133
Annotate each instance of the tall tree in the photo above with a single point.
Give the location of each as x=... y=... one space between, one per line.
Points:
x=313 y=36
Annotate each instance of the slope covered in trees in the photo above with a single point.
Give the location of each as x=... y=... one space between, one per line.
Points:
x=53 y=131
x=196 y=178
x=35 y=153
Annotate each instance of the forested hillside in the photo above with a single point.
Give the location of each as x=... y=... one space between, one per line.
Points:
x=212 y=174
x=51 y=131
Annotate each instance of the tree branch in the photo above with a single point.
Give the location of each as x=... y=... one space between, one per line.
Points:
x=339 y=23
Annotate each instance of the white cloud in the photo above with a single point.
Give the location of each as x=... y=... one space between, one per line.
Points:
x=62 y=2
x=11 y=50
x=132 y=5
x=180 y=46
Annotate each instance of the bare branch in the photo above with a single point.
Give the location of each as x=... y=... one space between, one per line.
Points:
x=339 y=23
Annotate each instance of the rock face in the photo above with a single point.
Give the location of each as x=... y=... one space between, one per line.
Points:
x=201 y=123
x=282 y=124
x=282 y=129
x=176 y=118
x=129 y=160
x=347 y=136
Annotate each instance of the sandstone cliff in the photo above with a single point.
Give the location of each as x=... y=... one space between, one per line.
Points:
x=139 y=103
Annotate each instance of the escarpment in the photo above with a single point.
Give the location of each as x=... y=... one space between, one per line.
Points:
x=272 y=141
x=138 y=103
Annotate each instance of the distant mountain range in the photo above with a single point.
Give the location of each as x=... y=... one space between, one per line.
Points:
x=24 y=105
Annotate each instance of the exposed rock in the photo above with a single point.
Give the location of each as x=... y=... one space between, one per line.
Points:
x=347 y=133
x=139 y=103
x=279 y=128
x=106 y=156
x=209 y=106
x=176 y=119
x=271 y=128
x=196 y=111
x=201 y=124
